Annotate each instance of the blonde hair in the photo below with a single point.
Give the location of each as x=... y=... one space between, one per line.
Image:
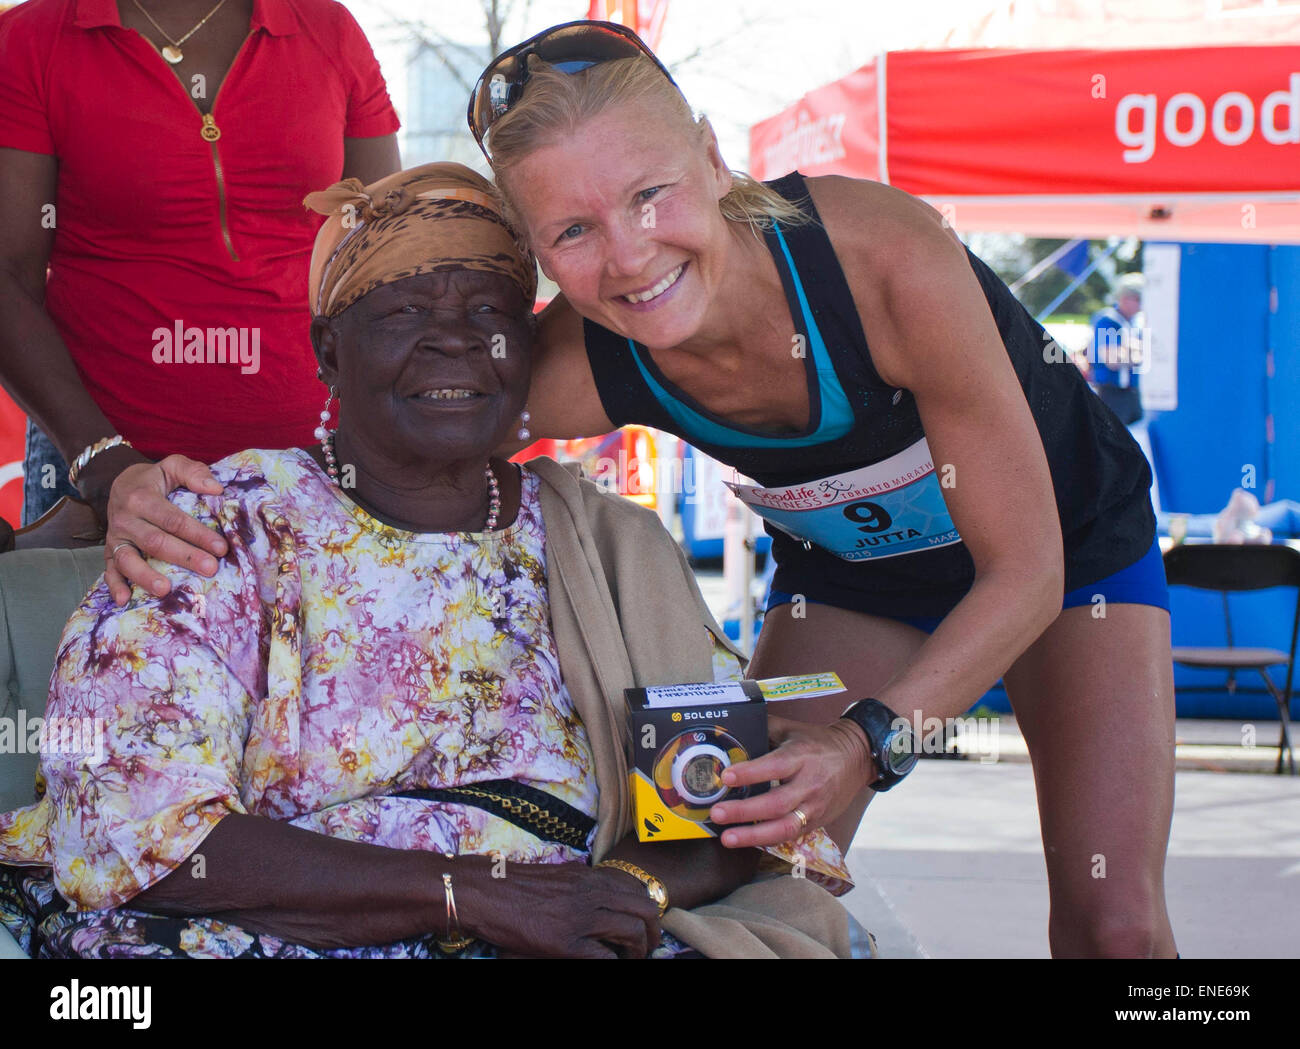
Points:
x=556 y=103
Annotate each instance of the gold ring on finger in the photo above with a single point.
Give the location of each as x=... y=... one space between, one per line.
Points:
x=119 y=546
x=802 y=818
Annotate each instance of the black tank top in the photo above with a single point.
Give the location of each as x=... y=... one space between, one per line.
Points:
x=1100 y=475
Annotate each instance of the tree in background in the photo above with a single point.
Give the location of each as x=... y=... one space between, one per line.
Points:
x=448 y=48
x=447 y=44
x=1012 y=255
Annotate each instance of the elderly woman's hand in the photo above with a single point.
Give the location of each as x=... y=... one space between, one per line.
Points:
x=141 y=522
x=567 y=910
x=822 y=769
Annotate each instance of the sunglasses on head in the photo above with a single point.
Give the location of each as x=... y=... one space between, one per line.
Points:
x=570 y=48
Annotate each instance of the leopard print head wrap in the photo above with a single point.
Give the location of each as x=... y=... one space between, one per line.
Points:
x=427 y=219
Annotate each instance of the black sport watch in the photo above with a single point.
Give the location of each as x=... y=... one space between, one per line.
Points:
x=892 y=742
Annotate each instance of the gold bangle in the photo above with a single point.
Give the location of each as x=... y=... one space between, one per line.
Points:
x=455 y=940
x=653 y=886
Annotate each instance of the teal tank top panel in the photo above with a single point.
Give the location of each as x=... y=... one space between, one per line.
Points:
x=831 y=410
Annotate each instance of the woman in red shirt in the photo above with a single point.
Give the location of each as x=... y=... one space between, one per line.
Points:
x=154 y=154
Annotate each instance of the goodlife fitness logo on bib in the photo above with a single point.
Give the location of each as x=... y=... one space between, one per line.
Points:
x=1143 y=125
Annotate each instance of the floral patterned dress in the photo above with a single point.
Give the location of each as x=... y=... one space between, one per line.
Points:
x=331 y=663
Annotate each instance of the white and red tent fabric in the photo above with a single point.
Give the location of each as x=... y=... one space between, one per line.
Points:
x=1194 y=144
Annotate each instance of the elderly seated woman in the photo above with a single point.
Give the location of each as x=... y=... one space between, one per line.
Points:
x=392 y=724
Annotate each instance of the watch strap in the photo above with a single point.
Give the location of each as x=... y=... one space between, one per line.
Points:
x=877 y=721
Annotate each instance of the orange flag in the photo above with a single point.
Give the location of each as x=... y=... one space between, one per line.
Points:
x=646 y=17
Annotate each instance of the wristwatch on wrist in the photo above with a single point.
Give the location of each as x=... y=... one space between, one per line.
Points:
x=653 y=886
x=892 y=742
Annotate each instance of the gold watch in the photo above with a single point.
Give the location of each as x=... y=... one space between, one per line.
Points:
x=653 y=886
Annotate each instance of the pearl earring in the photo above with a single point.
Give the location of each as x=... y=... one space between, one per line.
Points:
x=322 y=431
x=524 y=432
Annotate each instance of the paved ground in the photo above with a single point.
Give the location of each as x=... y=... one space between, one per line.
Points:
x=950 y=864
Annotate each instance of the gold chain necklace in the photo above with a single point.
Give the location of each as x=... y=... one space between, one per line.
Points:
x=172 y=51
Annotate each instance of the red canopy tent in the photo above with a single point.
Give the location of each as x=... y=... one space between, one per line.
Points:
x=1196 y=144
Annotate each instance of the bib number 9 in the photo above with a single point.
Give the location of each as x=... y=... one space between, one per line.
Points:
x=889 y=509
x=869 y=517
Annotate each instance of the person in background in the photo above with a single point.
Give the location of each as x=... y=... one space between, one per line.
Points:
x=1117 y=351
x=156 y=248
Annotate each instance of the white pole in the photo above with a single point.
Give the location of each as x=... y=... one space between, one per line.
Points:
x=747 y=601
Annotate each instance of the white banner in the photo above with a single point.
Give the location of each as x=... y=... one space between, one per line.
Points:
x=1159 y=381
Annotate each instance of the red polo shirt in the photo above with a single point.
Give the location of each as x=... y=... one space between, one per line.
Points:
x=160 y=233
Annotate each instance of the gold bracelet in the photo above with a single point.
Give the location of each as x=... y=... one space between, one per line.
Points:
x=653 y=886
x=90 y=451
x=456 y=940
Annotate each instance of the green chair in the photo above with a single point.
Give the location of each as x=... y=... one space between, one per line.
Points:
x=39 y=589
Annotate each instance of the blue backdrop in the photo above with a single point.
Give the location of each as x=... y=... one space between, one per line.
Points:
x=1238 y=406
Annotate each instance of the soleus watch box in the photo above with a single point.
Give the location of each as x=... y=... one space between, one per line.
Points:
x=685 y=736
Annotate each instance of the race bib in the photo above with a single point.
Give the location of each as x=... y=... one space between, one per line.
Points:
x=888 y=509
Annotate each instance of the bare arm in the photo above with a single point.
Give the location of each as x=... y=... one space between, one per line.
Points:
x=323 y=892
x=938 y=340
x=562 y=400
x=35 y=365
x=308 y=888
x=370 y=159
x=933 y=334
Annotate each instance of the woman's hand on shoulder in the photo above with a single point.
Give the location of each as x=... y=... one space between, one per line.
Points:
x=143 y=523
x=564 y=910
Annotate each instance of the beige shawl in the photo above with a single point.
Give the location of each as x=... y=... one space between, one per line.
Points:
x=626 y=612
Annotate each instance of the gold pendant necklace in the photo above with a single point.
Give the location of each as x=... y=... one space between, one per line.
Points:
x=171 y=51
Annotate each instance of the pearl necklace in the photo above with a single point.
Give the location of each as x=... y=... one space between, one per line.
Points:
x=494 y=489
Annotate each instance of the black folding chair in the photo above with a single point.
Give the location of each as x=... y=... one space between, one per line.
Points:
x=1211 y=566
